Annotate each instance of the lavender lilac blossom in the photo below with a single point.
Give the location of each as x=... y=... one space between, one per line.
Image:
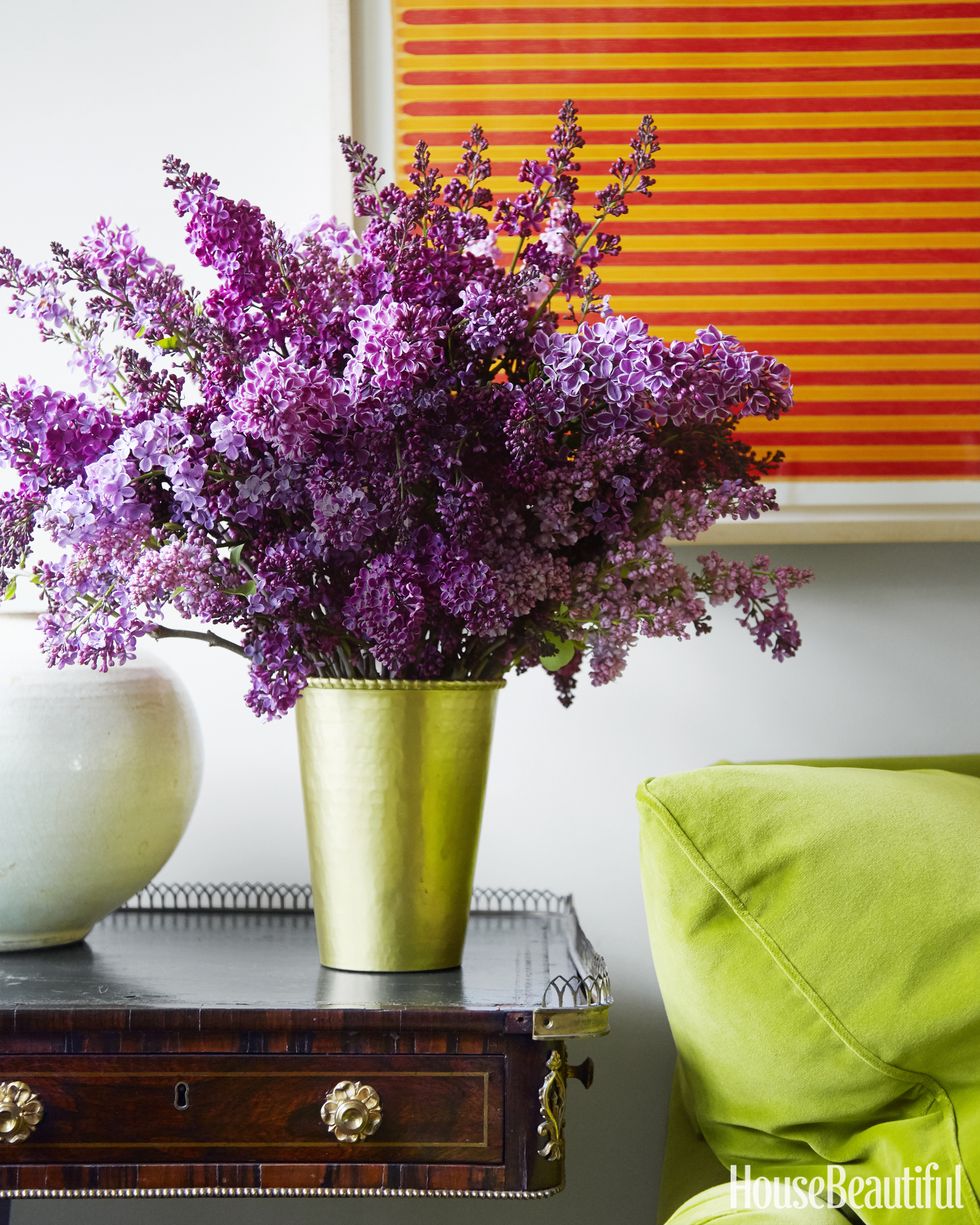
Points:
x=385 y=455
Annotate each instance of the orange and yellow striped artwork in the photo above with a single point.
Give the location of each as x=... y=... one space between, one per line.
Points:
x=818 y=192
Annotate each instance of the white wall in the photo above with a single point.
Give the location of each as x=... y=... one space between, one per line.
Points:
x=94 y=95
x=891 y=659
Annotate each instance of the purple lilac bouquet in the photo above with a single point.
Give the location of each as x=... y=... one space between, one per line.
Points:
x=385 y=455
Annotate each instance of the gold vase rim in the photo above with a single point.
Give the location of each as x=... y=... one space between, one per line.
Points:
x=337 y=682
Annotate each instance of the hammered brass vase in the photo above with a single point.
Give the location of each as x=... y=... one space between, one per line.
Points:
x=394 y=774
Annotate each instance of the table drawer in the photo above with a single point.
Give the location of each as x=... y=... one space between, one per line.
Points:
x=258 y=1108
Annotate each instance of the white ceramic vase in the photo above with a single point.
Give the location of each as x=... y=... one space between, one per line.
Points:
x=99 y=773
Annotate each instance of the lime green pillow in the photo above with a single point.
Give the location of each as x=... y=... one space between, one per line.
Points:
x=816 y=932
x=716 y=1205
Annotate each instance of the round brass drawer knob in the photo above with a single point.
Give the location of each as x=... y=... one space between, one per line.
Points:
x=351 y=1111
x=20 y=1111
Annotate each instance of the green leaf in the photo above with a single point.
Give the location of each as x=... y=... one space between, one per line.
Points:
x=564 y=653
x=235 y=554
x=11 y=589
x=141 y=333
x=168 y=342
x=245 y=589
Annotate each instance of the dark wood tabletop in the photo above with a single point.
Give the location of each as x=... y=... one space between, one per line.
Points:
x=215 y=959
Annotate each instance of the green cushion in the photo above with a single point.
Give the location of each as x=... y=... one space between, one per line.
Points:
x=816 y=931
x=715 y=1204
x=959 y=763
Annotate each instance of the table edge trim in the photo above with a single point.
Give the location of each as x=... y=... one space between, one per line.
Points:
x=272 y=1193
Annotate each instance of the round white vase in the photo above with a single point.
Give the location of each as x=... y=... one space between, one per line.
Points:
x=99 y=774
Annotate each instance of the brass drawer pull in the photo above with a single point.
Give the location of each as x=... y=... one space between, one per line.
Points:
x=351 y=1111
x=583 y=1072
x=20 y=1111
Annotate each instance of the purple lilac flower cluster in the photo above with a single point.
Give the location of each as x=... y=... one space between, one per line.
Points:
x=388 y=454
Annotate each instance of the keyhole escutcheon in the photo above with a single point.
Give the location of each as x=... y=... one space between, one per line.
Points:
x=182 y=1095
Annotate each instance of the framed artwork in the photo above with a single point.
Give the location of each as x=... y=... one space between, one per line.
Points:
x=818 y=195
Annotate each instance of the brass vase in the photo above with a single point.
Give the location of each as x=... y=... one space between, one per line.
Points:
x=394 y=774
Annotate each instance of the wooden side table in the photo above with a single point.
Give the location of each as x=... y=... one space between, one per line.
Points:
x=192 y=1045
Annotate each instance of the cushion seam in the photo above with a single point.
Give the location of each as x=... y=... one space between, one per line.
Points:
x=816 y=1002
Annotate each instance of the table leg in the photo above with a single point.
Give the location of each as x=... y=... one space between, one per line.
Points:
x=5 y=1205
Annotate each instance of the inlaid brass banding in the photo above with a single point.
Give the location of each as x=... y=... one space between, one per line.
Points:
x=275 y=1193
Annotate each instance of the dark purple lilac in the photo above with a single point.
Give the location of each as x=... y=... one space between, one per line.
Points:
x=390 y=455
